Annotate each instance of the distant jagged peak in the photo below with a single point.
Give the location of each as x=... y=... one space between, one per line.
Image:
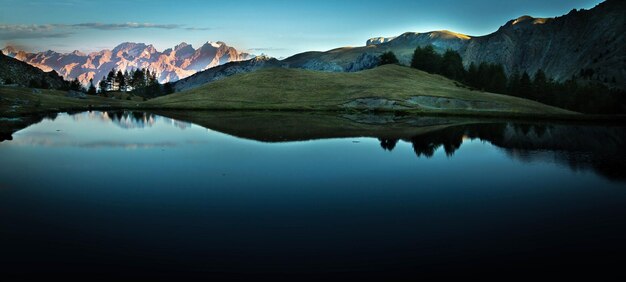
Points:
x=150 y=49
x=14 y=52
x=125 y=46
x=172 y=65
x=182 y=45
x=217 y=44
x=9 y=49
x=77 y=53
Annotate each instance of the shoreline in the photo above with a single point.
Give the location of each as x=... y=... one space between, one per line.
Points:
x=9 y=124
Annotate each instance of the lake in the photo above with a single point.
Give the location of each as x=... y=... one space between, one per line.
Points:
x=254 y=194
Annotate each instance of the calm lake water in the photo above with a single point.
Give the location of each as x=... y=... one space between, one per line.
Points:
x=123 y=193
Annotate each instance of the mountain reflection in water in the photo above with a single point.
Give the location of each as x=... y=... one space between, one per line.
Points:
x=577 y=146
x=252 y=193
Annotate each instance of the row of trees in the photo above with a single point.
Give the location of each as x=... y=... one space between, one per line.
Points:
x=583 y=96
x=137 y=79
x=143 y=82
x=43 y=84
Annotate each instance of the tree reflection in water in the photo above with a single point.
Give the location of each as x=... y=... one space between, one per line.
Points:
x=578 y=147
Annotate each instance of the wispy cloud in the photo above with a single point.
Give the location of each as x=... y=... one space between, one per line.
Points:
x=198 y=28
x=266 y=49
x=9 y=32
x=34 y=31
x=131 y=25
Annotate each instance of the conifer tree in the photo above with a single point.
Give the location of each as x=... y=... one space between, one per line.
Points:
x=120 y=79
x=452 y=65
x=388 y=58
x=103 y=85
x=92 y=88
x=426 y=59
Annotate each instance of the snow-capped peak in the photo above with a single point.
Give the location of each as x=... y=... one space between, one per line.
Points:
x=215 y=44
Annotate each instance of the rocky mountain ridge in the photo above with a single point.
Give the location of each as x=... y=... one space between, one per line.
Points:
x=592 y=39
x=171 y=64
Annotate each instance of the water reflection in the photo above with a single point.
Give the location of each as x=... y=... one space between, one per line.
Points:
x=129 y=119
x=576 y=146
x=239 y=192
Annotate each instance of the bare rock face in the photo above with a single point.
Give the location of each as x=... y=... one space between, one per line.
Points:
x=365 y=61
x=171 y=65
x=360 y=58
x=586 y=39
x=378 y=40
x=561 y=46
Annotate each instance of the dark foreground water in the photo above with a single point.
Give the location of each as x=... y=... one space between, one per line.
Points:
x=122 y=194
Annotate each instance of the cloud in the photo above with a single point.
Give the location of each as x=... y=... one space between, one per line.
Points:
x=198 y=28
x=265 y=49
x=34 y=31
x=8 y=32
x=130 y=25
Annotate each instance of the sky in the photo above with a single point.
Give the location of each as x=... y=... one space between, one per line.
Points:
x=278 y=28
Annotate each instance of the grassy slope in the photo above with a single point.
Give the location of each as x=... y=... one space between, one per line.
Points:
x=295 y=89
x=19 y=101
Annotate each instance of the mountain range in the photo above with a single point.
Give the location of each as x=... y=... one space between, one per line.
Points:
x=172 y=64
x=593 y=41
x=583 y=39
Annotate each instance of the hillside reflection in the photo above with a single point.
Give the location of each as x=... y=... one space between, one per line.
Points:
x=129 y=119
x=577 y=146
x=598 y=148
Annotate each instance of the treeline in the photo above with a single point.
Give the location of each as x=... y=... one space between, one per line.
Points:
x=140 y=82
x=44 y=84
x=576 y=94
x=34 y=83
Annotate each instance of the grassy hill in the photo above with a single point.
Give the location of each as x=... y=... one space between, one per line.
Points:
x=20 y=101
x=386 y=88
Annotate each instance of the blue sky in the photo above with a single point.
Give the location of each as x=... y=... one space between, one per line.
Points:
x=277 y=28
